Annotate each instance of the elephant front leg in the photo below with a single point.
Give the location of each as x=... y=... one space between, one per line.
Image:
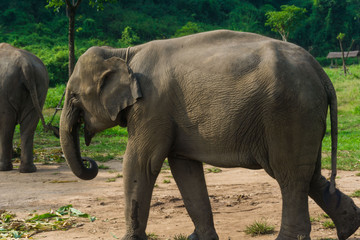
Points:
x=189 y=176
x=27 y=131
x=139 y=182
x=7 y=128
x=341 y=208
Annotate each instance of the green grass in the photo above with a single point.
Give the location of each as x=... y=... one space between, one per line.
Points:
x=111 y=180
x=180 y=237
x=107 y=145
x=348 y=94
x=356 y=194
x=53 y=96
x=328 y=224
x=214 y=170
x=102 y=166
x=152 y=236
x=259 y=228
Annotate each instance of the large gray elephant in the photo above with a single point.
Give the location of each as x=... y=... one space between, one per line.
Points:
x=23 y=86
x=224 y=98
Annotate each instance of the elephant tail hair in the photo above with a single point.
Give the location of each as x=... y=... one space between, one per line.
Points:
x=332 y=99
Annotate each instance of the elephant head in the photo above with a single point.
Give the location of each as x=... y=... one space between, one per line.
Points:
x=101 y=87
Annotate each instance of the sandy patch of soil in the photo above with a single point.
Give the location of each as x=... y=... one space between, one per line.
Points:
x=238 y=197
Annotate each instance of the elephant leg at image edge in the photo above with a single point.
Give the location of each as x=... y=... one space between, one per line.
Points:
x=7 y=128
x=138 y=186
x=27 y=130
x=189 y=177
x=341 y=208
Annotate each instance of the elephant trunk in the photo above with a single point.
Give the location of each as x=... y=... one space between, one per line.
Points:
x=83 y=168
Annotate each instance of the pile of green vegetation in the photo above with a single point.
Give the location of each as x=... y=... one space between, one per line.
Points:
x=62 y=219
x=29 y=24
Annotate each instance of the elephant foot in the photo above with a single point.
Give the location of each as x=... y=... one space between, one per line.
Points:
x=27 y=168
x=293 y=234
x=347 y=221
x=193 y=236
x=298 y=237
x=345 y=231
x=6 y=166
x=340 y=207
x=210 y=236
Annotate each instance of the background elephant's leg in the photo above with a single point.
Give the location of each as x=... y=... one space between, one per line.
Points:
x=340 y=207
x=189 y=176
x=138 y=186
x=27 y=131
x=7 y=127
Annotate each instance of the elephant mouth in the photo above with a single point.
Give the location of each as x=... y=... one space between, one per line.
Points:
x=88 y=134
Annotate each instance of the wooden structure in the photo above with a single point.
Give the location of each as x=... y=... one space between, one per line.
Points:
x=336 y=55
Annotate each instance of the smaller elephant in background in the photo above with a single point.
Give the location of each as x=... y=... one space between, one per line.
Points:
x=24 y=83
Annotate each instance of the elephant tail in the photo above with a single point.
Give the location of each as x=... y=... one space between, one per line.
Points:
x=332 y=99
x=29 y=76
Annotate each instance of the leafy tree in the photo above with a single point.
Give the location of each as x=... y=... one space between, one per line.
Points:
x=246 y=17
x=286 y=20
x=71 y=7
x=327 y=19
x=187 y=29
x=129 y=37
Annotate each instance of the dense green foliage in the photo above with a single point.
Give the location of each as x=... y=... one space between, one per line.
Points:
x=286 y=20
x=28 y=24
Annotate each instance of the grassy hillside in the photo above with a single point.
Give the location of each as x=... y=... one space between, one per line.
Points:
x=348 y=93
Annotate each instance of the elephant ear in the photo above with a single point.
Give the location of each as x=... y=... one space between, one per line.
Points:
x=117 y=87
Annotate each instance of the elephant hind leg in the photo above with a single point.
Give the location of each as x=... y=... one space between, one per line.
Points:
x=189 y=177
x=27 y=131
x=293 y=168
x=341 y=208
x=295 y=222
x=7 y=128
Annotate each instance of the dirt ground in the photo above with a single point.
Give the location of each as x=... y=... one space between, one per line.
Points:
x=238 y=197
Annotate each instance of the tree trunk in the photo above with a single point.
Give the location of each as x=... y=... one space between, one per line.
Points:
x=71 y=12
x=343 y=57
x=71 y=15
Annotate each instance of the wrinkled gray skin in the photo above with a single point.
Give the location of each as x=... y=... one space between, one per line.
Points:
x=224 y=98
x=23 y=86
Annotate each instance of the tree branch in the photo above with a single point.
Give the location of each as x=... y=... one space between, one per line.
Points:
x=73 y=6
x=77 y=3
x=69 y=4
